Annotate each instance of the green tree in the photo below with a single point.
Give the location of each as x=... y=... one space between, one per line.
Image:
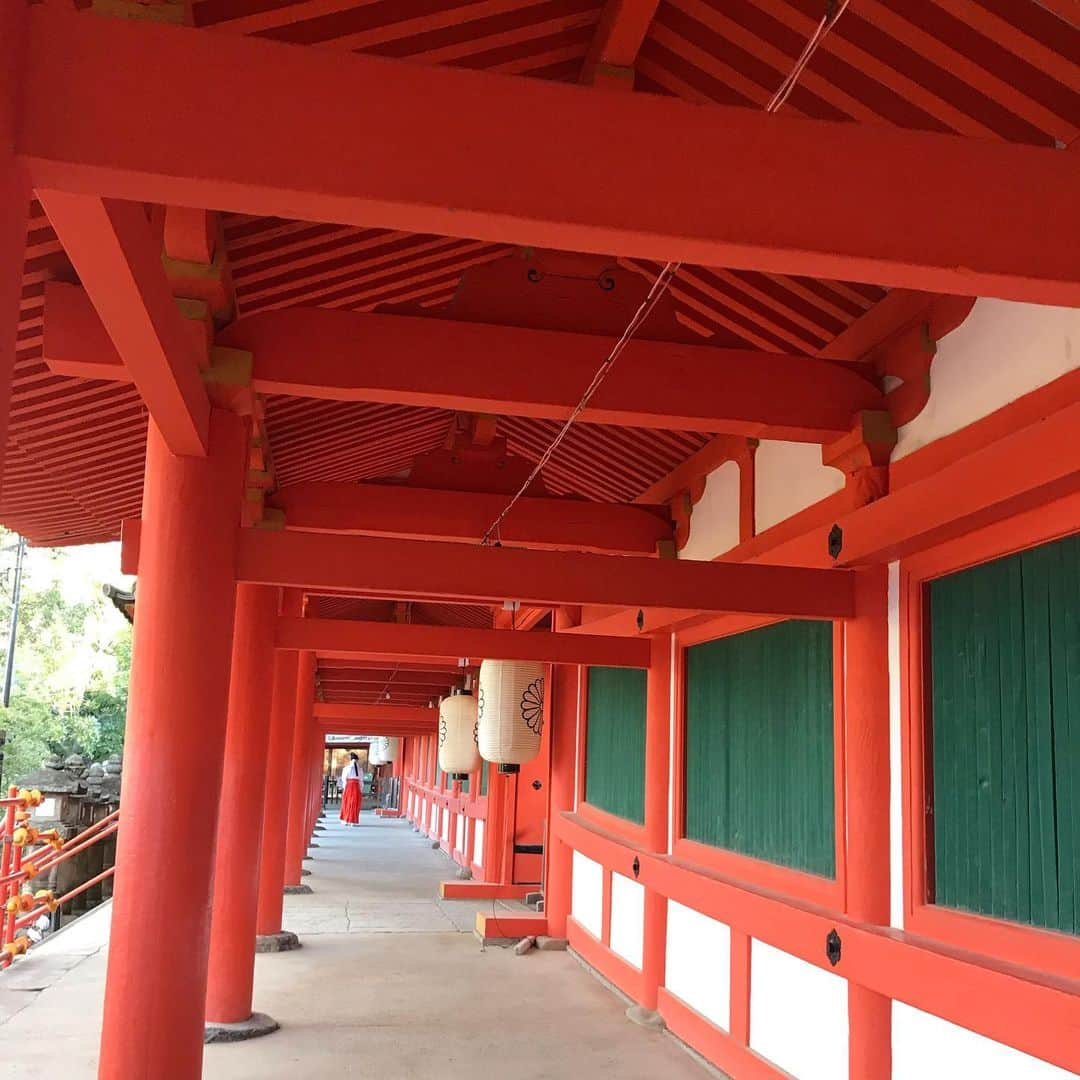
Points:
x=73 y=657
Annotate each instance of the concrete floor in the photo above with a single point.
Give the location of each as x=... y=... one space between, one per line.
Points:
x=390 y=983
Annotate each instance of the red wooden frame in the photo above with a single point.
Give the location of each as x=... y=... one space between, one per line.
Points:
x=827 y=892
x=1048 y=950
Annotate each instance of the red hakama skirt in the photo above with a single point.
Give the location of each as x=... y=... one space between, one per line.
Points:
x=350 y=802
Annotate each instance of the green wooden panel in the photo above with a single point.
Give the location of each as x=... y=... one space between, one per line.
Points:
x=615 y=742
x=465 y=786
x=483 y=778
x=1004 y=668
x=759 y=745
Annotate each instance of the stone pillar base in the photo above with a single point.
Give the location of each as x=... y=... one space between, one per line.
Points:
x=298 y=890
x=646 y=1018
x=282 y=941
x=255 y=1025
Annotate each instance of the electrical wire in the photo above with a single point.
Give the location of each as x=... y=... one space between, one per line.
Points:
x=660 y=285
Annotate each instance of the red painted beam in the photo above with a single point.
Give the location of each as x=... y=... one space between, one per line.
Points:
x=550 y=578
x=376 y=713
x=113 y=250
x=348 y=637
x=903 y=208
x=619 y=35
x=407 y=512
x=408 y=360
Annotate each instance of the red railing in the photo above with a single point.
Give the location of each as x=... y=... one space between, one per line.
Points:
x=20 y=908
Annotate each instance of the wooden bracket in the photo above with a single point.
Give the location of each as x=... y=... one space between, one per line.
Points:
x=863 y=456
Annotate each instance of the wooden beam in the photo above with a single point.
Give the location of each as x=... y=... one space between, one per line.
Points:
x=353 y=638
x=409 y=360
x=464 y=164
x=487 y=575
x=112 y=248
x=406 y=512
x=619 y=35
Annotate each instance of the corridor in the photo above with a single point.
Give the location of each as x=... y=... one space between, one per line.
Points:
x=390 y=982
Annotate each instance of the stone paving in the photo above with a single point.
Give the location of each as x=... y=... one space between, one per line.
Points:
x=390 y=983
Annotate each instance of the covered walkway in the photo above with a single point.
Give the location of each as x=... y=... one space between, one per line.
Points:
x=390 y=982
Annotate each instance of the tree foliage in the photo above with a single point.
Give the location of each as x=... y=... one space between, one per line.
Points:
x=73 y=656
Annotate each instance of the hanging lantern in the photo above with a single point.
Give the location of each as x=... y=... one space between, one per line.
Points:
x=391 y=749
x=459 y=753
x=510 y=711
x=376 y=751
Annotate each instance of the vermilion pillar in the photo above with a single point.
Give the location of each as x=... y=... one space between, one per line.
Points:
x=657 y=794
x=866 y=771
x=565 y=688
x=240 y=811
x=156 y=985
x=276 y=804
x=296 y=844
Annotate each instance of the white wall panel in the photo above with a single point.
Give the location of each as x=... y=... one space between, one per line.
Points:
x=459 y=835
x=1002 y=351
x=478 y=842
x=714 y=523
x=698 y=968
x=627 y=919
x=790 y=477
x=587 y=894
x=926 y=1047
x=798 y=1015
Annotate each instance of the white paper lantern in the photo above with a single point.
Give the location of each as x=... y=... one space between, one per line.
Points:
x=459 y=753
x=377 y=752
x=391 y=749
x=510 y=711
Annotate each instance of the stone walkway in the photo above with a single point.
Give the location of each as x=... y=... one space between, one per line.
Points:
x=390 y=983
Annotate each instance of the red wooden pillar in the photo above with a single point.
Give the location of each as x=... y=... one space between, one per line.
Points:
x=866 y=769
x=657 y=789
x=240 y=813
x=565 y=688
x=276 y=805
x=155 y=991
x=14 y=198
x=296 y=842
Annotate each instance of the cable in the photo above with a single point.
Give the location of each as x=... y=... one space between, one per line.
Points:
x=833 y=11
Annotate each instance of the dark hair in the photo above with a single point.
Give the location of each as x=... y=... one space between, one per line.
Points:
x=354 y=755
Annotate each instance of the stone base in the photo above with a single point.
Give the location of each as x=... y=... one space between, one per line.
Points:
x=312 y=844
x=298 y=890
x=551 y=944
x=645 y=1018
x=305 y=872
x=282 y=941
x=255 y=1025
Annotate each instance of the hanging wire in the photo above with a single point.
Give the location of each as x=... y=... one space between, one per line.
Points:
x=833 y=11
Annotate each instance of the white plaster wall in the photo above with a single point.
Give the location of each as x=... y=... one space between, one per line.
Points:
x=587 y=894
x=445 y=834
x=434 y=817
x=926 y=1047
x=896 y=791
x=627 y=919
x=714 y=523
x=790 y=477
x=459 y=834
x=1002 y=351
x=478 y=842
x=698 y=968
x=798 y=1015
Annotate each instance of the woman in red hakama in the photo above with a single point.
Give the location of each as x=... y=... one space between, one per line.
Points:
x=353 y=780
